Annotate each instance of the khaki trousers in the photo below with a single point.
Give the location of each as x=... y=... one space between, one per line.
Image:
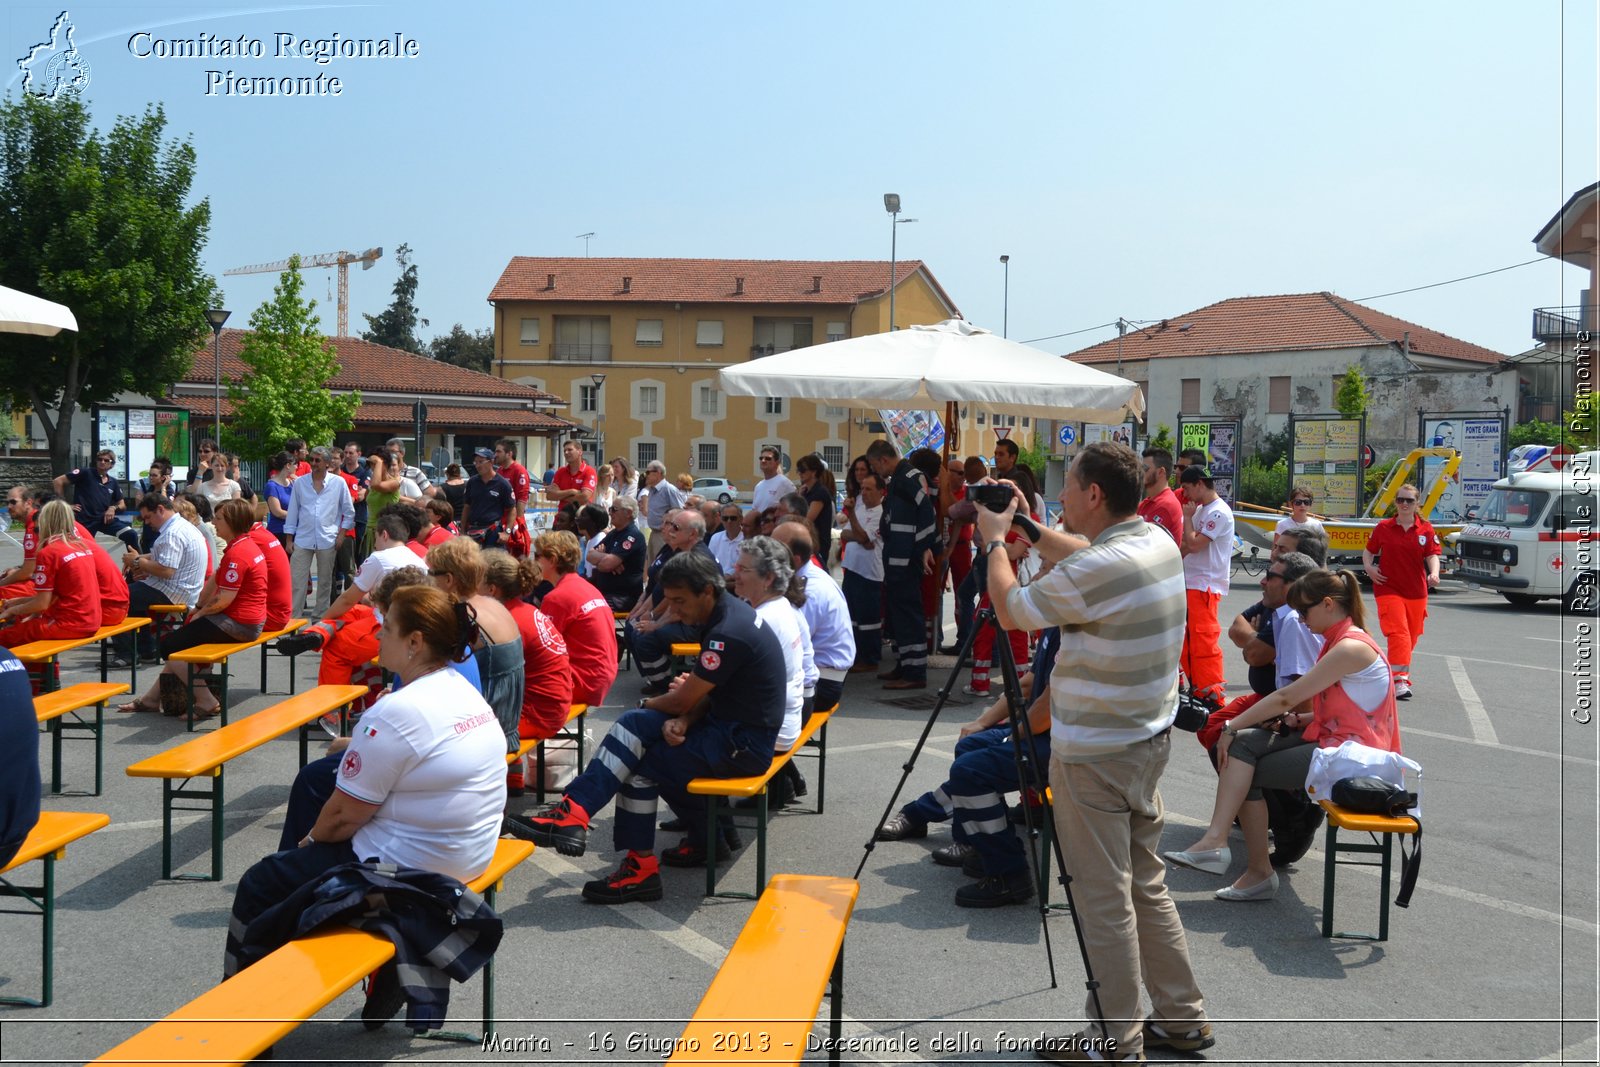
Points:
x=1109 y=818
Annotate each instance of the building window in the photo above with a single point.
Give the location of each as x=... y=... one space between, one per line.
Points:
x=774 y=405
x=647 y=333
x=833 y=456
x=708 y=457
x=530 y=331
x=649 y=452
x=1189 y=404
x=588 y=399
x=708 y=401
x=1278 y=395
x=582 y=339
x=708 y=333
x=980 y=418
x=779 y=335
x=836 y=331
x=649 y=400
x=1025 y=421
x=833 y=411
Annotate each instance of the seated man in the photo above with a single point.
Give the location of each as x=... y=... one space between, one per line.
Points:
x=985 y=769
x=720 y=720
x=652 y=629
x=617 y=566
x=172 y=572
x=348 y=634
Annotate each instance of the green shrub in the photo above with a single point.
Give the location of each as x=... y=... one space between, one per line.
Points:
x=1263 y=485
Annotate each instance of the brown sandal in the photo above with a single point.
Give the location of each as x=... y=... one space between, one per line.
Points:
x=137 y=705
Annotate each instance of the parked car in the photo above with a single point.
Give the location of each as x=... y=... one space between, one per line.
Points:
x=719 y=489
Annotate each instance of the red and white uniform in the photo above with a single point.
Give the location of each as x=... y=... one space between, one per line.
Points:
x=585 y=479
x=521 y=483
x=244 y=570
x=584 y=619
x=111 y=585
x=66 y=570
x=280 y=580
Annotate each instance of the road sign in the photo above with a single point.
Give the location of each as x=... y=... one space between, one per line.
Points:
x=1002 y=432
x=1068 y=434
x=1367 y=456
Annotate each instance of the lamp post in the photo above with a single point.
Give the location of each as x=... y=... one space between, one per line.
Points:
x=216 y=317
x=600 y=419
x=891 y=204
x=1005 y=300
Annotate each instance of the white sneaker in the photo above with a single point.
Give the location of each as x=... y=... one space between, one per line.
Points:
x=1402 y=690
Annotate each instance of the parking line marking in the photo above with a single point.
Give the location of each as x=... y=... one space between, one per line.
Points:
x=1482 y=728
x=1410 y=730
x=1496 y=662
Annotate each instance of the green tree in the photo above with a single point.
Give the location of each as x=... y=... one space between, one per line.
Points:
x=1576 y=429
x=99 y=222
x=460 y=347
x=1351 y=399
x=284 y=391
x=397 y=324
x=1033 y=457
x=1163 y=438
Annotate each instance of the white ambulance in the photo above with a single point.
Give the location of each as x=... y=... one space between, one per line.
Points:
x=1535 y=537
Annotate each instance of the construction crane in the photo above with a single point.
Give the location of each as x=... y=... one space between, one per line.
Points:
x=342 y=260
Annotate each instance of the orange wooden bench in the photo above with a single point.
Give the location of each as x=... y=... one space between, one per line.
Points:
x=48 y=840
x=46 y=654
x=1384 y=826
x=53 y=708
x=219 y=653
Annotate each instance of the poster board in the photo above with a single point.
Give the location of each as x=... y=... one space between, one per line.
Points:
x=1219 y=440
x=139 y=435
x=911 y=430
x=1123 y=433
x=1325 y=457
x=1480 y=438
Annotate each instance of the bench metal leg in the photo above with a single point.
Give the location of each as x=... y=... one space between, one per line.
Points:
x=836 y=1004
x=1382 y=848
x=43 y=903
x=822 y=766
x=58 y=728
x=55 y=754
x=214 y=799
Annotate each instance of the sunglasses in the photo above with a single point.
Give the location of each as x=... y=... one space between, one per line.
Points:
x=732 y=518
x=1274 y=574
x=1302 y=500
x=1405 y=500
x=437 y=574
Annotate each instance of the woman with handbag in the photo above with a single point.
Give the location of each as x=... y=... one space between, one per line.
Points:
x=1352 y=698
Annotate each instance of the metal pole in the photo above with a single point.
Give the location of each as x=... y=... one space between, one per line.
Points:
x=894 y=233
x=1005 y=300
x=216 y=392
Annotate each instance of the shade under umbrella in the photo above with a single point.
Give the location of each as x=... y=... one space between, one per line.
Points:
x=22 y=313
x=925 y=367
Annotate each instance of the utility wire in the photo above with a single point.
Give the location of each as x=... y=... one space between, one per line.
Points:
x=1070 y=333
x=1452 y=281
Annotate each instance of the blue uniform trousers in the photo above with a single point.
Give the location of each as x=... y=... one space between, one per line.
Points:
x=985 y=769
x=653 y=651
x=864 y=598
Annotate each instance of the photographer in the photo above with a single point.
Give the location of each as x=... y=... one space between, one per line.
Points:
x=1117 y=589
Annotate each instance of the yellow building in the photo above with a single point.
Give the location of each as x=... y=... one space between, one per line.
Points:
x=636 y=345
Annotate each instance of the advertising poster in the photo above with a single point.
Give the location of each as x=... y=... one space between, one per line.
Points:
x=1122 y=434
x=1219 y=440
x=1478 y=441
x=911 y=430
x=1310 y=444
x=1341 y=465
x=172 y=439
x=111 y=431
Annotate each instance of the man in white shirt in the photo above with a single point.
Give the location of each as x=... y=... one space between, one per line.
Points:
x=726 y=541
x=419 y=481
x=773 y=485
x=862 y=559
x=1207 y=545
x=172 y=573
x=320 y=511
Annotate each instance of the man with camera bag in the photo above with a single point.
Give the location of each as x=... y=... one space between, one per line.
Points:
x=1117 y=589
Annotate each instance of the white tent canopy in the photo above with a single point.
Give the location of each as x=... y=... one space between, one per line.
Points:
x=21 y=313
x=926 y=367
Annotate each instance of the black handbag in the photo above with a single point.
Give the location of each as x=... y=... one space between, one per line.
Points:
x=1374 y=796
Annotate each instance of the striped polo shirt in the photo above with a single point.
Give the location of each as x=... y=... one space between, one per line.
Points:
x=1120 y=605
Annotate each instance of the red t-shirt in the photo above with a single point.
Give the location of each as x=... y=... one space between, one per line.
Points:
x=358 y=493
x=244 y=568
x=521 y=484
x=280 y=594
x=68 y=571
x=1404 y=557
x=438 y=535
x=584 y=620
x=585 y=479
x=547 y=696
x=109 y=580
x=419 y=548
x=1165 y=511
x=30 y=538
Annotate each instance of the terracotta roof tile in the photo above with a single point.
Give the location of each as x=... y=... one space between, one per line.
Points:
x=1295 y=322
x=703 y=281
x=378 y=368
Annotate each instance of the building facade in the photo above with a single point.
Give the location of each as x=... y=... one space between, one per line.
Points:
x=636 y=344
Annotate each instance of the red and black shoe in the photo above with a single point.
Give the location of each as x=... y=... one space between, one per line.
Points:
x=691 y=853
x=516 y=785
x=639 y=878
x=385 y=998
x=564 y=827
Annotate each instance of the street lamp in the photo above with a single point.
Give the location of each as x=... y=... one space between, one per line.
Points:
x=599 y=417
x=216 y=317
x=1005 y=301
x=891 y=204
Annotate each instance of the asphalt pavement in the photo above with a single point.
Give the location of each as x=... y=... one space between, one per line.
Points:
x=1494 y=961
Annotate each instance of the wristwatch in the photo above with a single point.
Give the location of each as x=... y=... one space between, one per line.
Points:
x=990 y=546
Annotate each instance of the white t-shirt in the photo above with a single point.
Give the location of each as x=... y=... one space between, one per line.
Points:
x=865 y=560
x=769 y=491
x=1288 y=523
x=378 y=565
x=432 y=757
x=409 y=490
x=726 y=549
x=784 y=620
x=1208 y=570
x=1296 y=648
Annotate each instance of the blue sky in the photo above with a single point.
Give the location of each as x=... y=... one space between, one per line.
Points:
x=1136 y=159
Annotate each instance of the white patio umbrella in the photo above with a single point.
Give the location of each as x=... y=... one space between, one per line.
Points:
x=22 y=313
x=928 y=367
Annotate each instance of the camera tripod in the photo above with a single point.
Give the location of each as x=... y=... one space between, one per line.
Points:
x=1029 y=775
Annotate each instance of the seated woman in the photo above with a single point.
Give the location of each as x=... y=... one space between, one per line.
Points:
x=456 y=566
x=547 y=673
x=232 y=608
x=66 y=602
x=581 y=614
x=1352 y=697
x=422 y=786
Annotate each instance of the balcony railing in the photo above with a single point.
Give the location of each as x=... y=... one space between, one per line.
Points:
x=580 y=353
x=1556 y=325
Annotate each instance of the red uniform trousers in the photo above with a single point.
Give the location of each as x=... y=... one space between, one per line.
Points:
x=1201 y=659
